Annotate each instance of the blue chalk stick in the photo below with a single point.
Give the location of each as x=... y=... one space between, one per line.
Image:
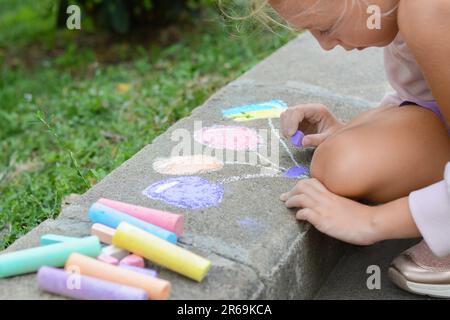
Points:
x=297 y=139
x=99 y=213
x=47 y=239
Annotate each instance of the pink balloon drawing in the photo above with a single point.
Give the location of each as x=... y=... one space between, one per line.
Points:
x=186 y=192
x=228 y=137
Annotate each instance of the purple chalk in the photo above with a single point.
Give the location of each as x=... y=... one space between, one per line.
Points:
x=186 y=192
x=296 y=172
x=82 y=287
x=147 y=272
x=297 y=139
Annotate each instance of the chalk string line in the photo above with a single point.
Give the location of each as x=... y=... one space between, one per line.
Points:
x=282 y=142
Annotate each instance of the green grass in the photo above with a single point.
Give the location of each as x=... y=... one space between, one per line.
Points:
x=67 y=121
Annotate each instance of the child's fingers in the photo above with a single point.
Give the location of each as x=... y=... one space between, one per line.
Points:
x=311 y=187
x=300 y=201
x=293 y=116
x=313 y=140
x=283 y=118
x=309 y=215
x=289 y=121
x=316 y=184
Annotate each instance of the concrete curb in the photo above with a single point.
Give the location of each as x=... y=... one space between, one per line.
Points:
x=278 y=259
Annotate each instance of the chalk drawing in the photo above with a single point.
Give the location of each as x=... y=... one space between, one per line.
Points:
x=193 y=192
x=187 y=165
x=274 y=167
x=228 y=137
x=275 y=132
x=297 y=172
x=264 y=110
x=249 y=176
x=186 y=192
x=251 y=224
x=268 y=161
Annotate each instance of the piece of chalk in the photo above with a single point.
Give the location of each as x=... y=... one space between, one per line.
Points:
x=53 y=255
x=161 y=252
x=47 y=239
x=73 y=285
x=147 y=272
x=99 y=213
x=115 y=252
x=157 y=289
x=108 y=259
x=297 y=139
x=167 y=220
x=104 y=233
x=133 y=260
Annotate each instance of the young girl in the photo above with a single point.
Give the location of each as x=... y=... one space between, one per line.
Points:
x=395 y=154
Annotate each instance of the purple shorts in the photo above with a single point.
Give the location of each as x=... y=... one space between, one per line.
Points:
x=432 y=106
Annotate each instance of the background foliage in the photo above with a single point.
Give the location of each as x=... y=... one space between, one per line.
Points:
x=74 y=105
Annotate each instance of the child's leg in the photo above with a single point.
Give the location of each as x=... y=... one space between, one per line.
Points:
x=384 y=155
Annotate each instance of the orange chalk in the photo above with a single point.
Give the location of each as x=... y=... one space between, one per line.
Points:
x=157 y=289
x=103 y=232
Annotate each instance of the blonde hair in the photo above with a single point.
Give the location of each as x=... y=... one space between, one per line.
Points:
x=258 y=10
x=261 y=11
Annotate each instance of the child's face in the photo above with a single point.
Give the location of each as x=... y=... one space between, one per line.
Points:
x=350 y=32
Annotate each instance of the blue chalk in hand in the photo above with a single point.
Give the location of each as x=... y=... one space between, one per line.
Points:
x=297 y=139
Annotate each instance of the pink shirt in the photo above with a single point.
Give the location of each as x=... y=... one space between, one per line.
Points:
x=430 y=207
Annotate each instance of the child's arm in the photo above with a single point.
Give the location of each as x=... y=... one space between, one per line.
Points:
x=425 y=26
x=425 y=212
x=430 y=208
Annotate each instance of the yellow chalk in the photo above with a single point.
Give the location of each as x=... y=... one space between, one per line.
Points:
x=161 y=252
x=260 y=114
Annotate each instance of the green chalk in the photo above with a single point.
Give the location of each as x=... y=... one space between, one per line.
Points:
x=47 y=239
x=54 y=255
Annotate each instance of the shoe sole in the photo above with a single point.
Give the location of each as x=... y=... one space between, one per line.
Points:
x=432 y=290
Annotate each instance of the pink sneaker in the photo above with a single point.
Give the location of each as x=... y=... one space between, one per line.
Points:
x=419 y=271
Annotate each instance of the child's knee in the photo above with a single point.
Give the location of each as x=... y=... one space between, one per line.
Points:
x=339 y=164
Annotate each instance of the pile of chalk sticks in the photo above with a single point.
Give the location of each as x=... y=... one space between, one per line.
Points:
x=83 y=268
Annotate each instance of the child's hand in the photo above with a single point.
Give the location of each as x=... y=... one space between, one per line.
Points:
x=333 y=215
x=314 y=120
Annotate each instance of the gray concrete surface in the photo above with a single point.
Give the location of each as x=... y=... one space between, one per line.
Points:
x=279 y=259
x=348 y=280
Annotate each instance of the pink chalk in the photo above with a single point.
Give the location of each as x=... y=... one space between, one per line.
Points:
x=167 y=220
x=133 y=260
x=108 y=259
